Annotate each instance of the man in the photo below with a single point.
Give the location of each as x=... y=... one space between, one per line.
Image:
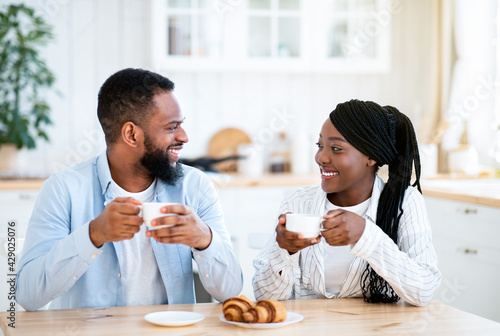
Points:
x=86 y=245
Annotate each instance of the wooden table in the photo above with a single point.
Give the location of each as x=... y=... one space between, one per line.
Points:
x=321 y=317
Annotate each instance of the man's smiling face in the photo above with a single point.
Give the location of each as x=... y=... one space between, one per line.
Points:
x=164 y=138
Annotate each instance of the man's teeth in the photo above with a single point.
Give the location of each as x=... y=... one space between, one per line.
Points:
x=329 y=174
x=174 y=151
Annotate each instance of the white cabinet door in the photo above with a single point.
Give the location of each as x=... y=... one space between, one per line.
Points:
x=466 y=239
x=250 y=214
x=15 y=206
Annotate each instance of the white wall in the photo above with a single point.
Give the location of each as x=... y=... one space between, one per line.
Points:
x=93 y=39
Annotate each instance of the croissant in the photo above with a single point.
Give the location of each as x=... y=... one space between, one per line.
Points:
x=265 y=311
x=233 y=308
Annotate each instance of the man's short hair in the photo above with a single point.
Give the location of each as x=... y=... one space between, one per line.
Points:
x=128 y=95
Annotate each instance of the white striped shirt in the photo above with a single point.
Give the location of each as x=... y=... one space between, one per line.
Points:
x=410 y=267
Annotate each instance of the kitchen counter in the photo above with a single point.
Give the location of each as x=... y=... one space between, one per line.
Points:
x=20 y=184
x=219 y=180
x=321 y=316
x=266 y=180
x=476 y=191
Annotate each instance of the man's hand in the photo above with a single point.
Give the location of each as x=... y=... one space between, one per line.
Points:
x=292 y=241
x=342 y=227
x=187 y=229
x=119 y=221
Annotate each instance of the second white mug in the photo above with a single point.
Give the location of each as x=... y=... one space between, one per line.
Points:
x=308 y=225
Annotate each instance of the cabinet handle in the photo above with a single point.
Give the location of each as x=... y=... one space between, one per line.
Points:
x=467 y=250
x=467 y=211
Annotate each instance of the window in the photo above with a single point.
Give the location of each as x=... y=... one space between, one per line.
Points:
x=274 y=28
x=191 y=29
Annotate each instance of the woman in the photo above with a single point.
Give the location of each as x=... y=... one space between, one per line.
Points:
x=376 y=239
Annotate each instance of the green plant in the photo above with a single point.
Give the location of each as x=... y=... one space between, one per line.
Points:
x=24 y=114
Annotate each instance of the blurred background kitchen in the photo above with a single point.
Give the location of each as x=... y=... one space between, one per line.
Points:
x=257 y=78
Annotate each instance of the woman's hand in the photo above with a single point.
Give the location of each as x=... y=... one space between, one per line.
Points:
x=292 y=241
x=342 y=227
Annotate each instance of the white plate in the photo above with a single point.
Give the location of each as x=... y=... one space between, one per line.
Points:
x=174 y=318
x=291 y=317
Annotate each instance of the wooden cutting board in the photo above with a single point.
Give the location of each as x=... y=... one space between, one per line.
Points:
x=225 y=143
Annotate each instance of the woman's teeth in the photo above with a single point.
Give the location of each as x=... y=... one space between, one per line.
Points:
x=329 y=174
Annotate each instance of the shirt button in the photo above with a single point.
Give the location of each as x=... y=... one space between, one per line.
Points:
x=119 y=275
x=75 y=278
x=206 y=275
x=93 y=256
x=198 y=256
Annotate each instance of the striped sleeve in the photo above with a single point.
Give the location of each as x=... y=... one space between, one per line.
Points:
x=275 y=273
x=275 y=268
x=278 y=274
x=411 y=266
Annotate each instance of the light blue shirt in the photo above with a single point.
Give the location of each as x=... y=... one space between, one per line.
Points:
x=59 y=263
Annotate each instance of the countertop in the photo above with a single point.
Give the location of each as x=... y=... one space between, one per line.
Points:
x=347 y=317
x=483 y=191
x=219 y=180
x=29 y=184
x=266 y=180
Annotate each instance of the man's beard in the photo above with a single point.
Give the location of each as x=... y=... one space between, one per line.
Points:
x=157 y=162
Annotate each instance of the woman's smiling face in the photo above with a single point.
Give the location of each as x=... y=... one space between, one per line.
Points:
x=347 y=175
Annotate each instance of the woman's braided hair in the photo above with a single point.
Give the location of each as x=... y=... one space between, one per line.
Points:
x=387 y=136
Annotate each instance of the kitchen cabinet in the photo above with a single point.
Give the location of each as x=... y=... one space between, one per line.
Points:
x=466 y=238
x=272 y=35
x=15 y=206
x=250 y=214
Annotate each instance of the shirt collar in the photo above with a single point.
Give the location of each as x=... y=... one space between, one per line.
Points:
x=105 y=179
x=160 y=188
x=371 y=212
x=103 y=172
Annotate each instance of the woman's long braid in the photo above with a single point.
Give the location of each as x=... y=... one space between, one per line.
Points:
x=387 y=136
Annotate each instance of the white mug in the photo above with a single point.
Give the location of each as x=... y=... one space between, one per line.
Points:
x=308 y=225
x=151 y=210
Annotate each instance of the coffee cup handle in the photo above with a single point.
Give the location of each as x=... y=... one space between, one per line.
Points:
x=140 y=210
x=321 y=228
